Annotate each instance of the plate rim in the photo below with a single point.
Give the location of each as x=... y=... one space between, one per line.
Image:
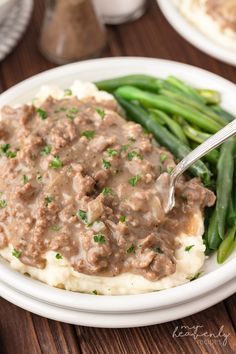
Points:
x=116 y=320
x=117 y=303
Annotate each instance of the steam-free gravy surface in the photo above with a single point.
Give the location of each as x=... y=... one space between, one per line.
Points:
x=78 y=179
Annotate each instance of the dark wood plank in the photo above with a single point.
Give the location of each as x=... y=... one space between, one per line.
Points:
x=230 y=304
x=17 y=333
x=165 y=337
x=55 y=337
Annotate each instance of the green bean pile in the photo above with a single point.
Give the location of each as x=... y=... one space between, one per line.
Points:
x=180 y=117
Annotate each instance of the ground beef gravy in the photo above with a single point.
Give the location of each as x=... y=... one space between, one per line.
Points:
x=77 y=179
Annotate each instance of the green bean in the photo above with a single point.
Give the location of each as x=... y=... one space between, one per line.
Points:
x=173 y=126
x=234 y=183
x=225 y=169
x=183 y=87
x=164 y=137
x=211 y=96
x=144 y=82
x=227 y=246
x=193 y=134
x=199 y=137
x=231 y=215
x=228 y=117
x=205 y=96
x=213 y=237
x=193 y=103
x=207 y=216
x=170 y=106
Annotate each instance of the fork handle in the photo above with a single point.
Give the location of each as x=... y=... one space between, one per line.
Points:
x=211 y=143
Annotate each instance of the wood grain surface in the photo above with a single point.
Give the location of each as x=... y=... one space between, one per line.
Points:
x=24 y=333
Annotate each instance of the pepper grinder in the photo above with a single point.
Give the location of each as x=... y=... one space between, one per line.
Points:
x=71 y=31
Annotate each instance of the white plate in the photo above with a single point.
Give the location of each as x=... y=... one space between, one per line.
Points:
x=215 y=275
x=118 y=320
x=193 y=35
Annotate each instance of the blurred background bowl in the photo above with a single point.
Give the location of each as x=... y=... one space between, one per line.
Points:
x=5 y=8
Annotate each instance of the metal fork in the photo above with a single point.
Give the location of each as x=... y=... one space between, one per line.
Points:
x=215 y=140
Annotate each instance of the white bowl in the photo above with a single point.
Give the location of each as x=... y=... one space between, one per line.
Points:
x=5 y=7
x=214 y=277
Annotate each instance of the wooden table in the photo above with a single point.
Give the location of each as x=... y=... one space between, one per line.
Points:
x=24 y=333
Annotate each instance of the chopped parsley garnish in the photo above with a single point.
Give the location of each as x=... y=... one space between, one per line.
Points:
x=133 y=154
x=188 y=248
x=11 y=154
x=112 y=152
x=16 y=253
x=158 y=250
x=55 y=163
x=4 y=148
x=69 y=170
x=163 y=158
x=60 y=109
x=124 y=147
x=73 y=110
x=122 y=218
x=106 y=164
x=99 y=238
x=3 y=203
x=68 y=92
x=106 y=191
x=70 y=116
x=134 y=180
x=8 y=153
x=25 y=179
x=195 y=276
x=48 y=200
x=39 y=178
x=101 y=112
x=46 y=150
x=59 y=256
x=72 y=113
x=131 y=249
x=56 y=228
x=83 y=215
x=95 y=292
x=89 y=134
x=43 y=114
x=169 y=170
